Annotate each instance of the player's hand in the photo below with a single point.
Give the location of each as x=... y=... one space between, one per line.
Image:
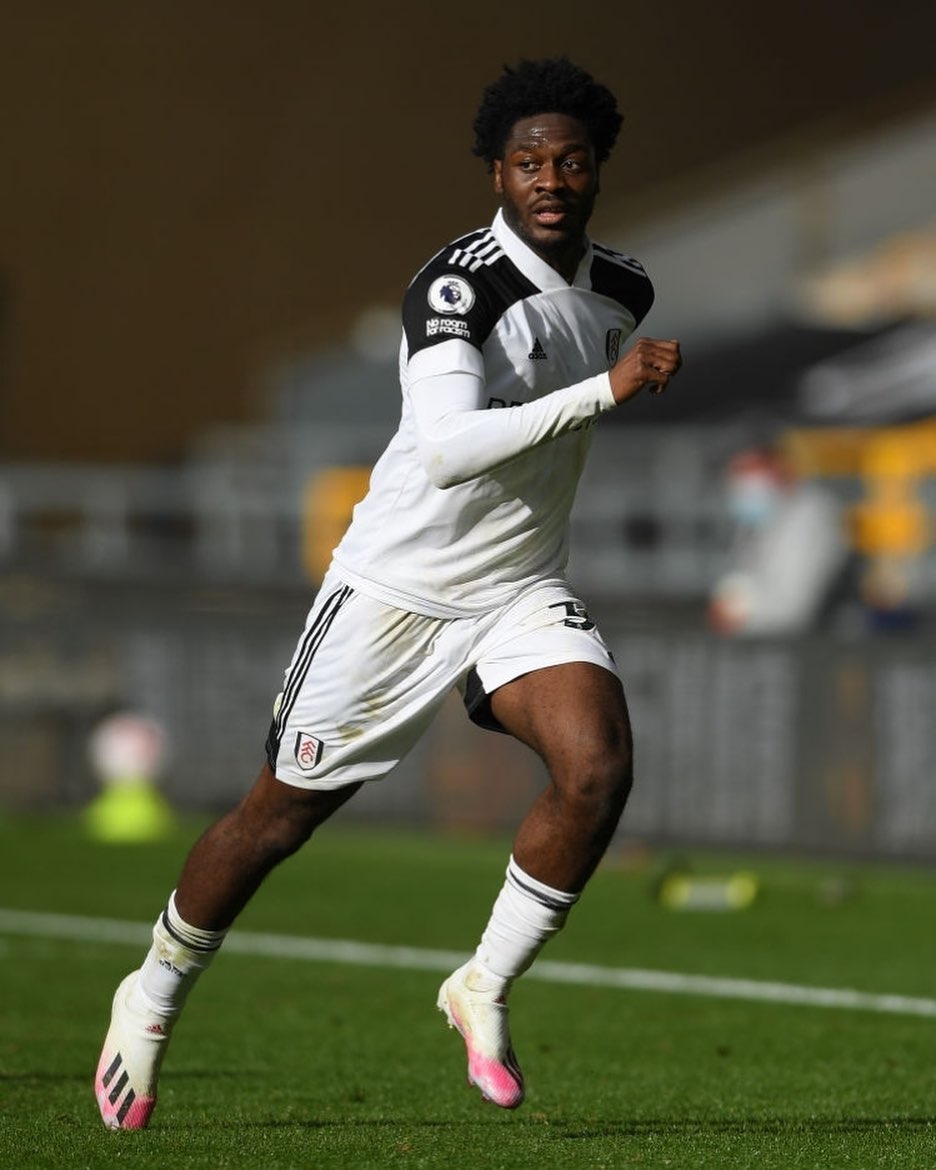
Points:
x=649 y=364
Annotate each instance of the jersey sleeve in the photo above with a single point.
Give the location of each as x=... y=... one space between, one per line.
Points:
x=445 y=303
x=458 y=439
x=449 y=312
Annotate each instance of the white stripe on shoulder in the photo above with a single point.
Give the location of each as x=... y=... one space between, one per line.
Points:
x=463 y=242
x=619 y=258
x=484 y=249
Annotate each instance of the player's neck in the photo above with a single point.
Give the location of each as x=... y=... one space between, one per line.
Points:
x=565 y=259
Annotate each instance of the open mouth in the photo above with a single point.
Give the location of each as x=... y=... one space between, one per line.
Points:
x=551 y=215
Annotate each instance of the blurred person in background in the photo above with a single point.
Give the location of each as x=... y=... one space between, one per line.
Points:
x=788 y=550
x=451 y=574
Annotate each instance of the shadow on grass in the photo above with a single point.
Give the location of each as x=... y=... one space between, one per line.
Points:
x=30 y=1077
x=606 y=1129
x=658 y=1127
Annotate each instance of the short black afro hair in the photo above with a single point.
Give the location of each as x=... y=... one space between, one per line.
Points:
x=551 y=86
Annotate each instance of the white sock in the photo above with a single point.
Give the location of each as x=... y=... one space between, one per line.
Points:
x=177 y=957
x=526 y=914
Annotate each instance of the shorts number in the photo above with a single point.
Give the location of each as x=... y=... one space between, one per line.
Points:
x=576 y=615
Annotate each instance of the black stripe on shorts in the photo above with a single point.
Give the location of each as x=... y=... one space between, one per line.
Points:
x=311 y=640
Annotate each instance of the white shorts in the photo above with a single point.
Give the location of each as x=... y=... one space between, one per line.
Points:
x=366 y=679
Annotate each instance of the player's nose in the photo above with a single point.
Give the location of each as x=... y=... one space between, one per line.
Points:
x=550 y=177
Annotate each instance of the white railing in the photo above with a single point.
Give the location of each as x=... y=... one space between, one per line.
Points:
x=649 y=513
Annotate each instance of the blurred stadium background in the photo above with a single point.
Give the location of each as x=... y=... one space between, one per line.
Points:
x=208 y=216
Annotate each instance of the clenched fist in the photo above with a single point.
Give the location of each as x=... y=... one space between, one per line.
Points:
x=648 y=363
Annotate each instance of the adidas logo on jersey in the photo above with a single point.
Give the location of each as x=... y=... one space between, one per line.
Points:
x=537 y=353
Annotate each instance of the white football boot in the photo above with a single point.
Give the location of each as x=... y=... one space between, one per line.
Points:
x=127 y=1072
x=481 y=1018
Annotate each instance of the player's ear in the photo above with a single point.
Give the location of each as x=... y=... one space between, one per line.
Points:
x=497 y=166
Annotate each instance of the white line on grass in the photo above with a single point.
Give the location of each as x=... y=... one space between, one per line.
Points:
x=322 y=950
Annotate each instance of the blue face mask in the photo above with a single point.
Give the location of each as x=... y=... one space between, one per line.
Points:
x=752 y=502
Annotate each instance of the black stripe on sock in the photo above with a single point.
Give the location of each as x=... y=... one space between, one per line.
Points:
x=205 y=948
x=539 y=896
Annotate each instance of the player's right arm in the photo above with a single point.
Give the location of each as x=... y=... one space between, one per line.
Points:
x=459 y=438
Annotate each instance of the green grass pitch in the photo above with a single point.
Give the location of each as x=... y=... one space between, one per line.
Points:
x=289 y=1063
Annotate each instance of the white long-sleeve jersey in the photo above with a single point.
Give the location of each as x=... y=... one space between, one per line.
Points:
x=503 y=371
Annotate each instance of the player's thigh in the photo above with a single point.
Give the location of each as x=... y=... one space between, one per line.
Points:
x=519 y=683
x=573 y=714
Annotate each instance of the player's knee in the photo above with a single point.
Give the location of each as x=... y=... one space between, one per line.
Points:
x=273 y=835
x=611 y=780
x=601 y=780
x=279 y=819
x=287 y=834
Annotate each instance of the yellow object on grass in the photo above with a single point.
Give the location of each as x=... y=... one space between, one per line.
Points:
x=129 y=811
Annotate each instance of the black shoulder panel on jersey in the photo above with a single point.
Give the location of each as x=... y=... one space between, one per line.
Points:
x=623 y=279
x=462 y=292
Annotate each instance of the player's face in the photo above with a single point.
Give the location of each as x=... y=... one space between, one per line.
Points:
x=547 y=181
